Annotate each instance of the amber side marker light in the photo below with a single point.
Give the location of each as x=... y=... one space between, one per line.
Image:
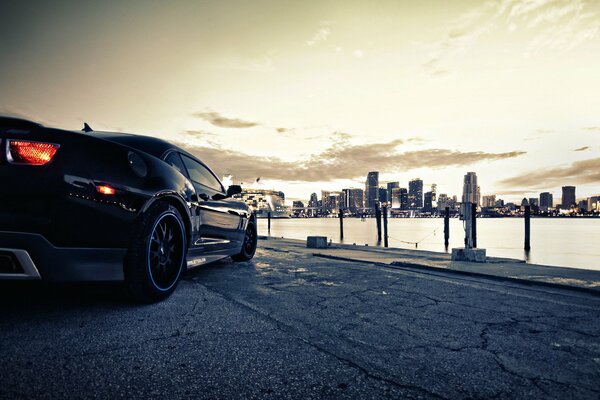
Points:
x=30 y=153
x=105 y=189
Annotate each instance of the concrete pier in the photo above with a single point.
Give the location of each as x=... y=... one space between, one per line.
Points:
x=342 y=322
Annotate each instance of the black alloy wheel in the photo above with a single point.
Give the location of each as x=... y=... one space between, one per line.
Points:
x=157 y=255
x=249 y=245
x=165 y=251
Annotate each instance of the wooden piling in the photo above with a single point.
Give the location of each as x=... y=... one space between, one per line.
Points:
x=378 y=218
x=474 y=224
x=385 y=227
x=269 y=222
x=447 y=226
x=527 y=228
x=341 y=215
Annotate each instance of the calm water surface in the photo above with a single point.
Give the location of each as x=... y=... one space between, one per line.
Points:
x=568 y=242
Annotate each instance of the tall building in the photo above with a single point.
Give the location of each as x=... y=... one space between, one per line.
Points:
x=325 y=200
x=330 y=201
x=471 y=189
x=533 y=202
x=593 y=204
x=390 y=187
x=403 y=197
x=428 y=201
x=333 y=203
x=415 y=194
x=395 y=199
x=568 y=197
x=488 y=201
x=372 y=189
x=313 y=204
x=383 y=195
x=353 y=199
x=546 y=201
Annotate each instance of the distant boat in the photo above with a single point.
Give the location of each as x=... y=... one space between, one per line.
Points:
x=264 y=201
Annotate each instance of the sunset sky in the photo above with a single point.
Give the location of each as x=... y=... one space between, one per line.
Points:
x=312 y=95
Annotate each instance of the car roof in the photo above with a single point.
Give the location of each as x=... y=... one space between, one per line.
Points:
x=148 y=144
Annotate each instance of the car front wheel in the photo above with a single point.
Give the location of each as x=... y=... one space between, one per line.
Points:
x=249 y=244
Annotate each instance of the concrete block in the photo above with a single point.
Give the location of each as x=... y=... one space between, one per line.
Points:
x=473 y=255
x=316 y=242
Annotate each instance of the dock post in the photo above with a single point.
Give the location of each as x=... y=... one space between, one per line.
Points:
x=385 y=229
x=447 y=226
x=527 y=227
x=269 y=222
x=474 y=224
x=341 y=224
x=378 y=218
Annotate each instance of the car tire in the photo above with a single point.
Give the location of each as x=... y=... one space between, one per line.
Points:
x=249 y=244
x=157 y=255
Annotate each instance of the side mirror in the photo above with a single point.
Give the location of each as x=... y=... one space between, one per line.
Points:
x=233 y=189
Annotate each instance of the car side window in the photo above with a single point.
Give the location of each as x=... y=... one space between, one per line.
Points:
x=174 y=161
x=200 y=174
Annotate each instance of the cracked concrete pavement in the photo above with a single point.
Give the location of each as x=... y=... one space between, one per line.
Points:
x=290 y=325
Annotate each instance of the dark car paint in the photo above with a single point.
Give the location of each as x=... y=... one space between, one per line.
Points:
x=59 y=201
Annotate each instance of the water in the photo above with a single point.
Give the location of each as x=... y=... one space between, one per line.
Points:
x=566 y=242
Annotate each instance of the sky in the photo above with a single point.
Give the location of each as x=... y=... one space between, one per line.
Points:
x=312 y=95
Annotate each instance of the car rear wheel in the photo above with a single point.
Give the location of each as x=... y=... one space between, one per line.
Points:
x=156 y=257
x=249 y=245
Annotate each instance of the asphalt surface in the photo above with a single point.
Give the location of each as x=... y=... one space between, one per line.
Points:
x=290 y=325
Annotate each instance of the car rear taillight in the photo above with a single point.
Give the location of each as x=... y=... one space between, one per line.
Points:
x=105 y=189
x=30 y=153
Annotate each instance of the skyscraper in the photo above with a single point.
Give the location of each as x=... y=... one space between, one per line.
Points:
x=415 y=194
x=403 y=194
x=353 y=200
x=372 y=189
x=489 y=201
x=471 y=189
x=390 y=187
x=546 y=200
x=313 y=204
x=568 y=197
x=325 y=200
x=383 y=197
x=428 y=201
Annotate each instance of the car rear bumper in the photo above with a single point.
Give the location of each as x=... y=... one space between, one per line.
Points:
x=31 y=256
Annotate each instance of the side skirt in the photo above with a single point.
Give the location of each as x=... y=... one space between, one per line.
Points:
x=204 y=259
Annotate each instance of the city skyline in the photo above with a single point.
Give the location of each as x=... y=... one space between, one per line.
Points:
x=357 y=201
x=314 y=95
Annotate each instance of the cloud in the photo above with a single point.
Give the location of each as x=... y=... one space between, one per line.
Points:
x=579 y=172
x=582 y=148
x=539 y=134
x=339 y=161
x=217 y=119
x=358 y=53
x=551 y=24
x=592 y=128
x=321 y=35
x=199 y=134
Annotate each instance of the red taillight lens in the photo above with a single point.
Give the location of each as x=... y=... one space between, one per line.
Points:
x=31 y=153
x=105 y=189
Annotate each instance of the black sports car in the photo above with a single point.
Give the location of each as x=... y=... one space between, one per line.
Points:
x=101 y=206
